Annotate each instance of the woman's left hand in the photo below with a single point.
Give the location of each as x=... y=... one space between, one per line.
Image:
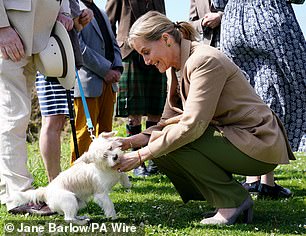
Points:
x=131 y=160
x=128 y=162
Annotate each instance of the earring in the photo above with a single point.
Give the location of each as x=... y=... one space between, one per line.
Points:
x=169 y=45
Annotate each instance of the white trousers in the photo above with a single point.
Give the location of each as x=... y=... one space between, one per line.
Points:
x=16 y=83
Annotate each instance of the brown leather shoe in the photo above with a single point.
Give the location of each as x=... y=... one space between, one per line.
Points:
x=34 y=209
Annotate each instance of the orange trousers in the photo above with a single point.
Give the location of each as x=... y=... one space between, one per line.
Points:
x=101 y=111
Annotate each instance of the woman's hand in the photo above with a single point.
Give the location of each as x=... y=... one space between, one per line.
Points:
x=128 y=162
x=126 y=144
x=131 y=160
x=135 y=141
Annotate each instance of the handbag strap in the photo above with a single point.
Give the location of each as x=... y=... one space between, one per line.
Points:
x=90 y=126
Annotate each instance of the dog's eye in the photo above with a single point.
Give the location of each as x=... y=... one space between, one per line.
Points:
x=104 y=155
x=110 y=148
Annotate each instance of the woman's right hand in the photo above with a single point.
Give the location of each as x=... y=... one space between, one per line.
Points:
x=135 y=141
x=125 y=143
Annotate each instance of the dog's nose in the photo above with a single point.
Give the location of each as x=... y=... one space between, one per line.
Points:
x=115 y=158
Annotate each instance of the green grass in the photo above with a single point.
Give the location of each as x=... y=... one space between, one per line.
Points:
x=154 y=204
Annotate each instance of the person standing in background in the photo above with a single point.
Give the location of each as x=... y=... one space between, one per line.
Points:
x=52 y=96
x=25 y=29
x=206 y=19
x=142 y=88
x=265 y=40
x=99 y=76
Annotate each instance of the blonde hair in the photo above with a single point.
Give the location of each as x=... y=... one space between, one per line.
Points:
x=153 y=24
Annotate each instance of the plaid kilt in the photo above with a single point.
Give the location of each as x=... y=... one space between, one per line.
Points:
x=142 y=88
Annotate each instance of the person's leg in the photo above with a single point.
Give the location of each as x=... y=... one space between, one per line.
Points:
x=268 y=187
x=106 y=109
x=16 y=83
x=50 y=133
x=207 y=164
x=265 y=186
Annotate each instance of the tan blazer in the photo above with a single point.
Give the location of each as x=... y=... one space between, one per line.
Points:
x=213 y=90
x=32 y=19
x=125 y=13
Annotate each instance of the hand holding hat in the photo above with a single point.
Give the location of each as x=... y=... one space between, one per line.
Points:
x=57 y=59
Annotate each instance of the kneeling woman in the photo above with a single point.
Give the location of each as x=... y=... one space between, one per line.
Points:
x=213 y=125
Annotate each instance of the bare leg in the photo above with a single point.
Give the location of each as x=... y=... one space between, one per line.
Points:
x=50 y=144
x=153 y=118
x=252 y=179
x=268 y=179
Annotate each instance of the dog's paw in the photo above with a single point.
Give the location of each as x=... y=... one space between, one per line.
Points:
x=125 y=181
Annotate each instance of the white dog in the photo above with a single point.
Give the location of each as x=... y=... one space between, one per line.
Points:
x=90 y=176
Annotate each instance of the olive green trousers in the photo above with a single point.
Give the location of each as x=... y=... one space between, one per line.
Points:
x=202 y=170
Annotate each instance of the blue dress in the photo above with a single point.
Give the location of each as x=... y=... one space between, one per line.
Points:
x=265 y=40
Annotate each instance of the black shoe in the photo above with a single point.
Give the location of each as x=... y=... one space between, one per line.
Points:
x=274 y=192
x=152 y=168
x=251 y=187
x=141 y=171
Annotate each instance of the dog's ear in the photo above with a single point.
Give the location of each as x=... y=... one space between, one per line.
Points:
x=108 y=134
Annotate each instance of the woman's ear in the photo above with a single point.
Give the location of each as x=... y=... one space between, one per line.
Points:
x=165 y=37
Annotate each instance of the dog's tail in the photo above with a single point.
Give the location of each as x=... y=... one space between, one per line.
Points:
x=35 y=196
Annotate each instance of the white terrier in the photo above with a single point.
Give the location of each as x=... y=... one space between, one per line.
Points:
x=90 y=176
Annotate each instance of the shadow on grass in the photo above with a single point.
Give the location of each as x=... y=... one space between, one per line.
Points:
x=269 y=216
x=285 y=216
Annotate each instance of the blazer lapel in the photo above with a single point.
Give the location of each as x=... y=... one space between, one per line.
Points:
x=185 y=51
x=174 y=97
x=97 y=28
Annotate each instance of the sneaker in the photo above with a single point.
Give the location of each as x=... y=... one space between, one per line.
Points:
x=34 y=209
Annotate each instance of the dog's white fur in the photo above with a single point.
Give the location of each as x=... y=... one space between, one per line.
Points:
x=90 y=176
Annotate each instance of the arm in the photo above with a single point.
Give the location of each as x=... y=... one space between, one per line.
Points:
x=207 y=79
x=194 y=17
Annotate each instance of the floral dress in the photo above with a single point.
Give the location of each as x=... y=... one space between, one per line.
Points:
x=265 y=40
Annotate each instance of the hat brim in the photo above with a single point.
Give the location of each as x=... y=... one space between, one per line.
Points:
x=68 y=80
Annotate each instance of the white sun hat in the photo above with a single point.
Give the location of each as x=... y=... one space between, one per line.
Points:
x=57 y=59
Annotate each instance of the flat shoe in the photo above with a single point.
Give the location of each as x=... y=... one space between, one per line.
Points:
x=251 y=187
x=274 y=192
x=33 y=209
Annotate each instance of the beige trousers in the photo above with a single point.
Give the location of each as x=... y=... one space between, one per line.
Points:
x=16 y=83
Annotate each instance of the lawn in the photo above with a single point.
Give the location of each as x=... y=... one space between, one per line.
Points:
x=154 y=208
